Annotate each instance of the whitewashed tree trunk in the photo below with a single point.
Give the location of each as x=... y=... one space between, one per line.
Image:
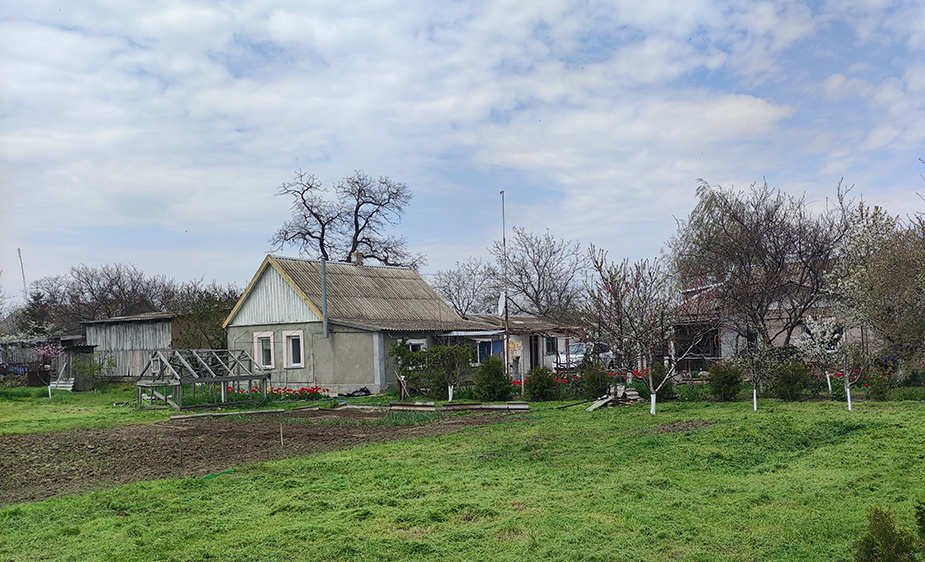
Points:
x=828 y=381
x=755 y=398
x=652 y=403
x=450 y=392
x=848 y=392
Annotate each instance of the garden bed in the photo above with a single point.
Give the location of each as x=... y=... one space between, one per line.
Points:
x=37 y=466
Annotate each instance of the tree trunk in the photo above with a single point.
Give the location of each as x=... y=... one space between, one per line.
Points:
x=652 y=403
x=848 y=391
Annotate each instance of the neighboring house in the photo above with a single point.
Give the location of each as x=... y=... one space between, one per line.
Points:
x=280 y=321
x=535 y=341
x=128 y=341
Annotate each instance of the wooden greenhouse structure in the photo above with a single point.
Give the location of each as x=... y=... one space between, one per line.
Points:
x=201 y=378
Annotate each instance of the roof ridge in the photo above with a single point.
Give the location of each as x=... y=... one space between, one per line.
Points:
x=338 y=262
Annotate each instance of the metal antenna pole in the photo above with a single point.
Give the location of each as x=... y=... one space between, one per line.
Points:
x=25 y=291
x=507 y=335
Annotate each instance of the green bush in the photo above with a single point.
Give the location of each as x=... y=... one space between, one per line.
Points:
x=491 y=383
x=594 y=380
x=691 y=392
x=883 y=541
x=658 y=373
x=909 y=393
x=541 y=385
x=725 y=381
x=817 y=384
x=789 y=379
x=838 y=390
x=913 y=377
x=464 y=392
x=879 y=387
x=430 y=371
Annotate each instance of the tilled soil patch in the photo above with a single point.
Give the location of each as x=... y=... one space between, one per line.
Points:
x=37 y=466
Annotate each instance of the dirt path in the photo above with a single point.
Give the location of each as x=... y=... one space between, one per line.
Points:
x=37 y=466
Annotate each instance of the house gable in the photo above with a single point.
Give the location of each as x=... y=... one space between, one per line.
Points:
x=271 y=299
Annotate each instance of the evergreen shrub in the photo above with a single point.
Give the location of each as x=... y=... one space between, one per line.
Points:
x=789 y=379
x=491 y=382
x=725 y=381
x=541 y=385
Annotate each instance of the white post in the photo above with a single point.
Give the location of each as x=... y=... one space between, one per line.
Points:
x=755 y=398
x=652 y=404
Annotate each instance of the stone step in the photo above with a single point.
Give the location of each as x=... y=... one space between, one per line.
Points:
x=63 y=384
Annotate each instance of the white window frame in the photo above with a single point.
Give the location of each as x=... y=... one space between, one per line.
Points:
x=419 y=342
x=258 y=349
x=288 y=336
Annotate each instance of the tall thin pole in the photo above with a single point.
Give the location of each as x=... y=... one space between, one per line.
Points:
x=324 y=297
x=507 y=335
x=25 y=291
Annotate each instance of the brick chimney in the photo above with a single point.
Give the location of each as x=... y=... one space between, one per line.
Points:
x=357 y=258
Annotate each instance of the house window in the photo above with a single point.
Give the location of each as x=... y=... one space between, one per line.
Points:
x=417 y=345
x=263 y=349
x=552 y=346
x=294 y=349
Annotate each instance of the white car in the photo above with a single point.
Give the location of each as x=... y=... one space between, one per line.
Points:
x=572 y=359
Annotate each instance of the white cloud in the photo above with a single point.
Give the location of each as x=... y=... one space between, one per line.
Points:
x=176 y=121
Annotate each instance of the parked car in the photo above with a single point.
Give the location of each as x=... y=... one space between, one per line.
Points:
x=596 y=352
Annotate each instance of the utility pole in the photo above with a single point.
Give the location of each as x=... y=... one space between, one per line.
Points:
x=25 y=291
x=507 y=334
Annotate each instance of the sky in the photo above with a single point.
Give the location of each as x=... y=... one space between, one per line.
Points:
x=157 y=133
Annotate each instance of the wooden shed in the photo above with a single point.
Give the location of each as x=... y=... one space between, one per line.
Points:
x=127 y=342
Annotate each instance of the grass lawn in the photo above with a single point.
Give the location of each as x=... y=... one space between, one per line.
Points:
x=29 y=410
x=698 y=481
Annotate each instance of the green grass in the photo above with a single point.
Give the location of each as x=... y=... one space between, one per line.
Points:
x=790 y=482
x=29 y=410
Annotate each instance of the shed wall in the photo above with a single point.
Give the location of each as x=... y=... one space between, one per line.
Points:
x=129 y=344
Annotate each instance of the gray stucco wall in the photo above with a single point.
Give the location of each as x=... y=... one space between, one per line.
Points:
x=347 y=360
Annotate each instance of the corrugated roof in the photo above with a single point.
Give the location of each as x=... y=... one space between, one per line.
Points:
x=145 y=316
x=379 y=297
x=523 y=324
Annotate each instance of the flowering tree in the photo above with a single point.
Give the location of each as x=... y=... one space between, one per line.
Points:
x=824 y=346
x=879 y=281
x=49 y=352
x=640 y=306
x=48 y=355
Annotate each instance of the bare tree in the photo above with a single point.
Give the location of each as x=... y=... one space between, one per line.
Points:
x=200 y=311
x=58 y=304
x=767 y=254
x=471 y=288
x=641 y=309
x=544 y=273
x=352 y=219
